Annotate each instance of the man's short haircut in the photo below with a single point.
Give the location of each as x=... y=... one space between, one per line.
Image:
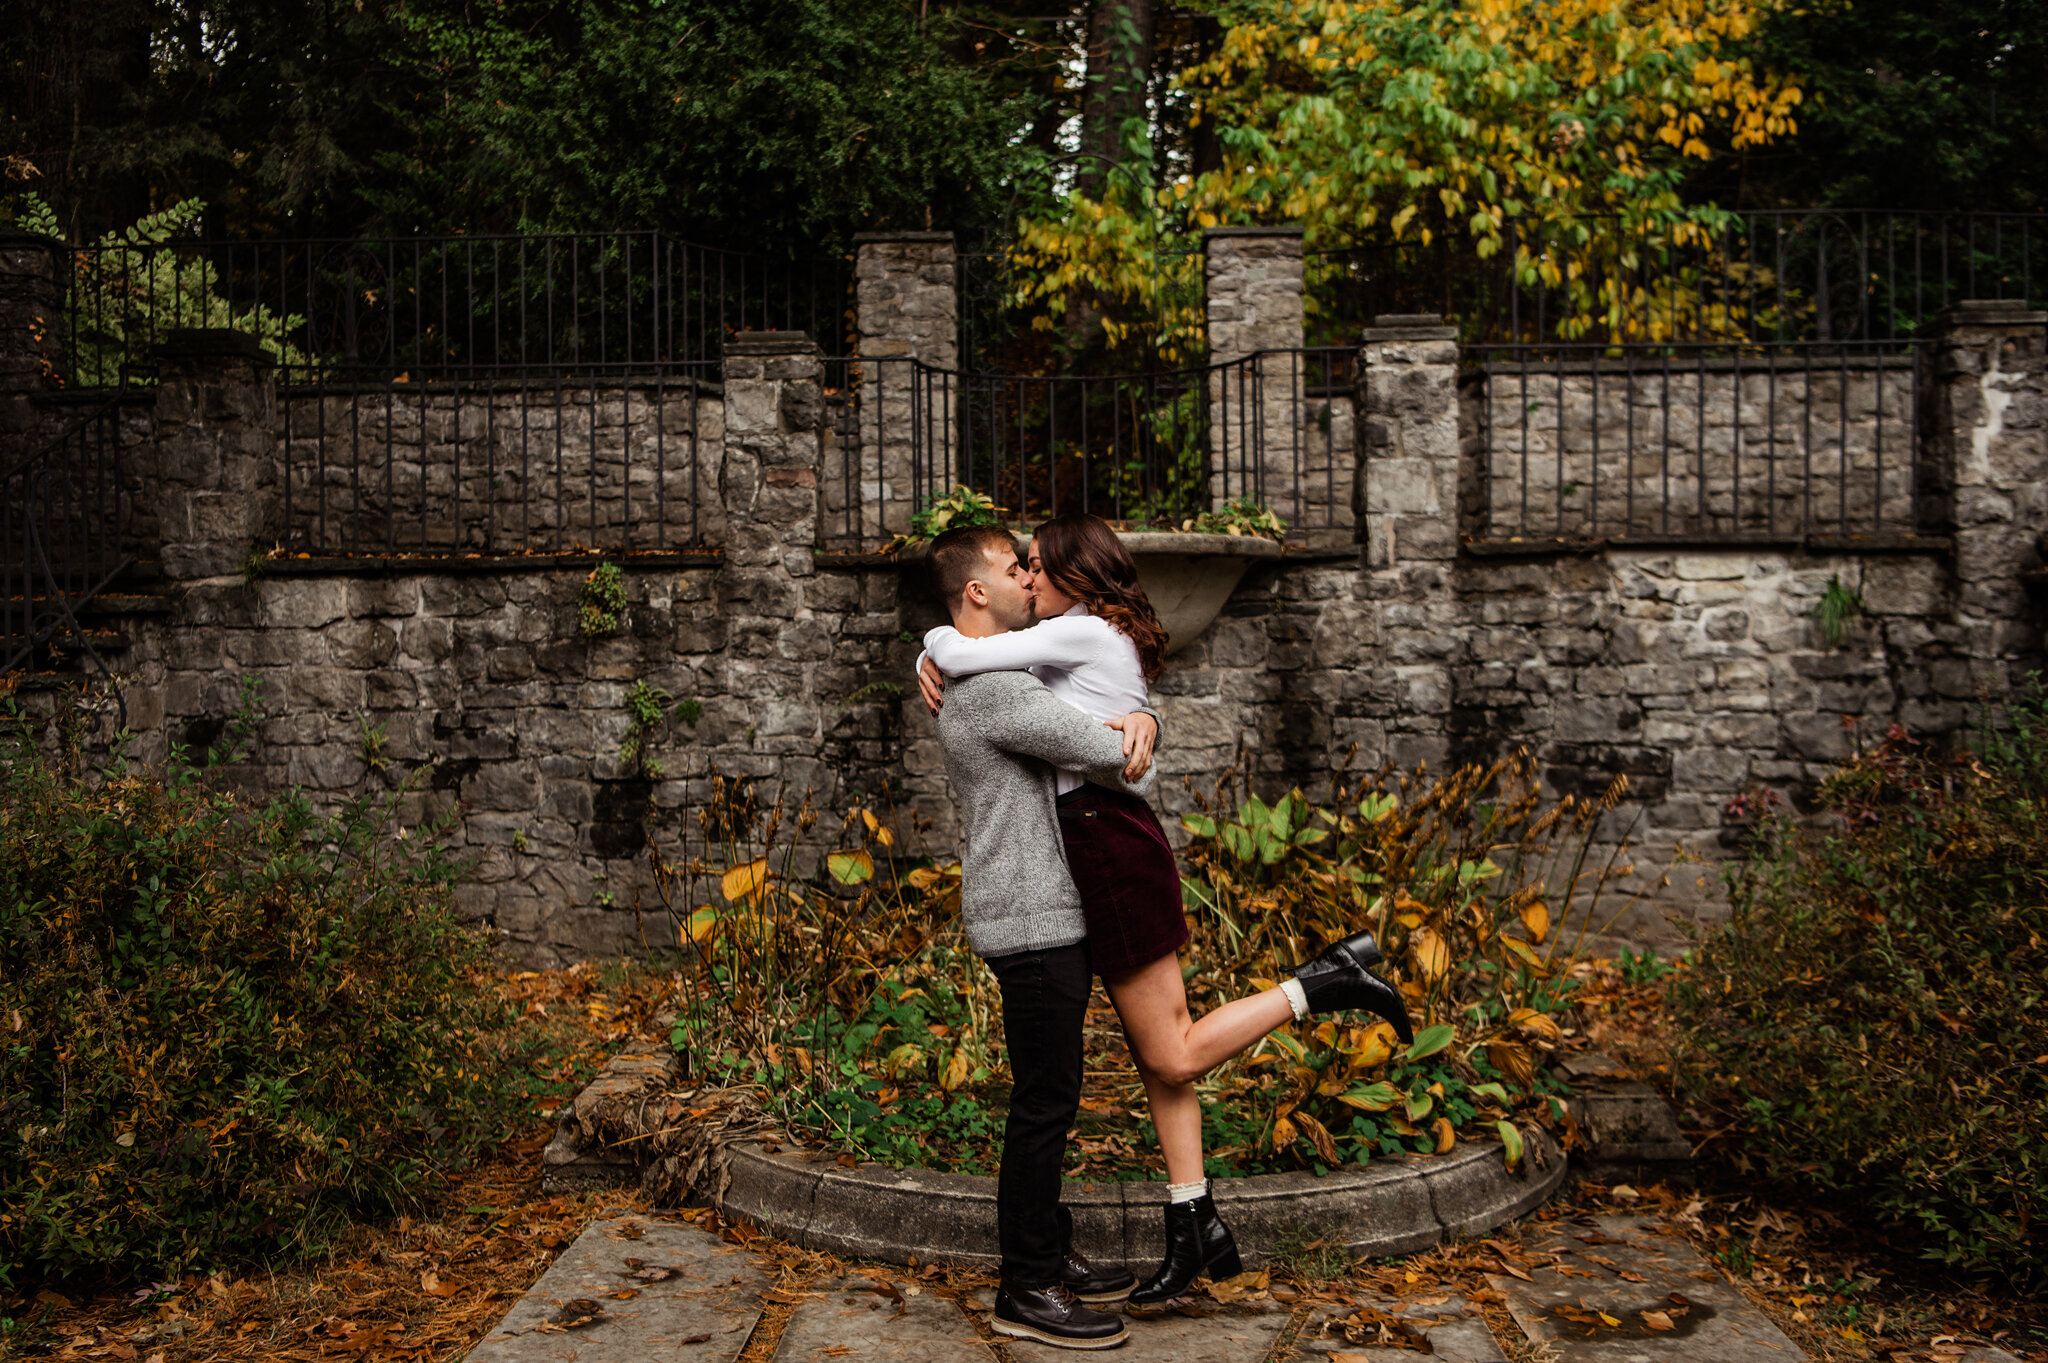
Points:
x=960 y=556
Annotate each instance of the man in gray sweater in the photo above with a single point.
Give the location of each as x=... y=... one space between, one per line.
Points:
x=1003 y=735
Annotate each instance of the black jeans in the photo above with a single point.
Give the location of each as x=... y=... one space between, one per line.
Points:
x=1045 y=999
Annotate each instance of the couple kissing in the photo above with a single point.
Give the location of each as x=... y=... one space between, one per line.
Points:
x=1040 y=687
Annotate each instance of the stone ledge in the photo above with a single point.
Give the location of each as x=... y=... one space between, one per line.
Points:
x=1285 y=230
x=867 y=238
x=1538 y=546
x=1391 y=1207
x=771 y=343
x=1993 y=312
x=400 y=565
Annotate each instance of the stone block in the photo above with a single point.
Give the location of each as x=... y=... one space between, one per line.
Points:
x=302 y=602
x=1741 y=731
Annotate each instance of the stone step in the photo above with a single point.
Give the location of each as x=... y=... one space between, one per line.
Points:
x=662 y=1290
x=1197 y=1332
x=878 y=1322
x=1617 y=1289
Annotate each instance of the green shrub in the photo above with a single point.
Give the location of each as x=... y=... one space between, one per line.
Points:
x=1871 y=1020
x=225 y=1025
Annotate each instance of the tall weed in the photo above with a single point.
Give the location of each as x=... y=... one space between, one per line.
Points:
x=226 y=1024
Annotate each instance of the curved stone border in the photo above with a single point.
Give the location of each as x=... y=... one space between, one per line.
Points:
x=1392 y=1206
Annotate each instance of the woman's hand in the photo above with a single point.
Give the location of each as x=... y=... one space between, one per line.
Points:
x=932 y=683
x=1140 y=732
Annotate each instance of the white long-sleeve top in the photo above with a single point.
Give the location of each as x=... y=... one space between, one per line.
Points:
x=1082 y=659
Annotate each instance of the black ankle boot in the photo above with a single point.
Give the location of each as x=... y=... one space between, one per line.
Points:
x=1197 y=1242
x=1340 y=977
x=1093 y=1283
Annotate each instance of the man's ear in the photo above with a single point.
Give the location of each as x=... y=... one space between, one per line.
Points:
x=976 y=592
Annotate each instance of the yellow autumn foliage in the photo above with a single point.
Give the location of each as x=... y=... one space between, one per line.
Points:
x=1407 y=120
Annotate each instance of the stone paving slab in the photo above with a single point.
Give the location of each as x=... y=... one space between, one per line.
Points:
x=1591 y=1302
x=850 y=1318
x=703 y=1312
x=1455 y=1331
x=1242 y=1333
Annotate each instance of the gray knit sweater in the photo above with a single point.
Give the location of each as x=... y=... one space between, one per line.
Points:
x=1004 y=733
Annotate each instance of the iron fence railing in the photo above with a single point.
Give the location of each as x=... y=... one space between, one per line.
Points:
x=64 y=514
x=454 y=306
x=1698 y=441
x=523 y=460
x=1778 y=276
x=1155 y=448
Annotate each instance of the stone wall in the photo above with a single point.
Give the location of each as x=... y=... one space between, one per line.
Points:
x=1656 y=447
x=1698 y=671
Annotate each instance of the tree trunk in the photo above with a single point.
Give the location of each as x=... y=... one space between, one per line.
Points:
x=1121 y=35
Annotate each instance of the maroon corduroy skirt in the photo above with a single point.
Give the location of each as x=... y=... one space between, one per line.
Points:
x=1128 y=878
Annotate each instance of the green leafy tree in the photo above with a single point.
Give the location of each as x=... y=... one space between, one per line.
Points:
x=140 y=285
x=1912 y=106
x=796 y=122
x=1424 y=119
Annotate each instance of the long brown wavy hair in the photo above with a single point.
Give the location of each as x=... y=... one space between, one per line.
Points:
x=1085 y=560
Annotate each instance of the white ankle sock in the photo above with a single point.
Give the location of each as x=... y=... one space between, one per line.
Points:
x=1297 y=997
x=1186 y=1192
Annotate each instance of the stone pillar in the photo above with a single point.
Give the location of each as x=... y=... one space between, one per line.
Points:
x=907 y=302
x=1257 y=441
x=31 y=333
x=1407 y=499
x=1984 y=414
x=217 y=436
x=774 y=429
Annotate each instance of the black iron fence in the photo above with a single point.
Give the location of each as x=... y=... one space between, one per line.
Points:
x=427 y=308
x=1694 y=441
x=528 y=460
x=466 y=394
x=1154 y=448
x=63 y=534
x=1780 y=276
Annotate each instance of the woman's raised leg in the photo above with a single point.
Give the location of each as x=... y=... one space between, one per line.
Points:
x=1172 y=1050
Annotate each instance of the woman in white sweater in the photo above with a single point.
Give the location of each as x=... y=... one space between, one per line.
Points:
x=1097 y=646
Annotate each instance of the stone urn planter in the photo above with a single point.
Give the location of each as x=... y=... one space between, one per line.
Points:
x=1187 y=576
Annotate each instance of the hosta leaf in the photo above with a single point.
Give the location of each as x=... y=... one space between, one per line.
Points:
x=850 y=868
x=1536 y=920
x=1373 y=808
x=699 y=925
x=744 y=880
x=1432 y=953
x=1201 y=825
x=1511 y=1142
x=1319 y=1135
x=1419 y=1105
x=1445 y=1137
x=1372 y=1097
x=1430 y=1040
x=957 y=1070
x=1512 y=1060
